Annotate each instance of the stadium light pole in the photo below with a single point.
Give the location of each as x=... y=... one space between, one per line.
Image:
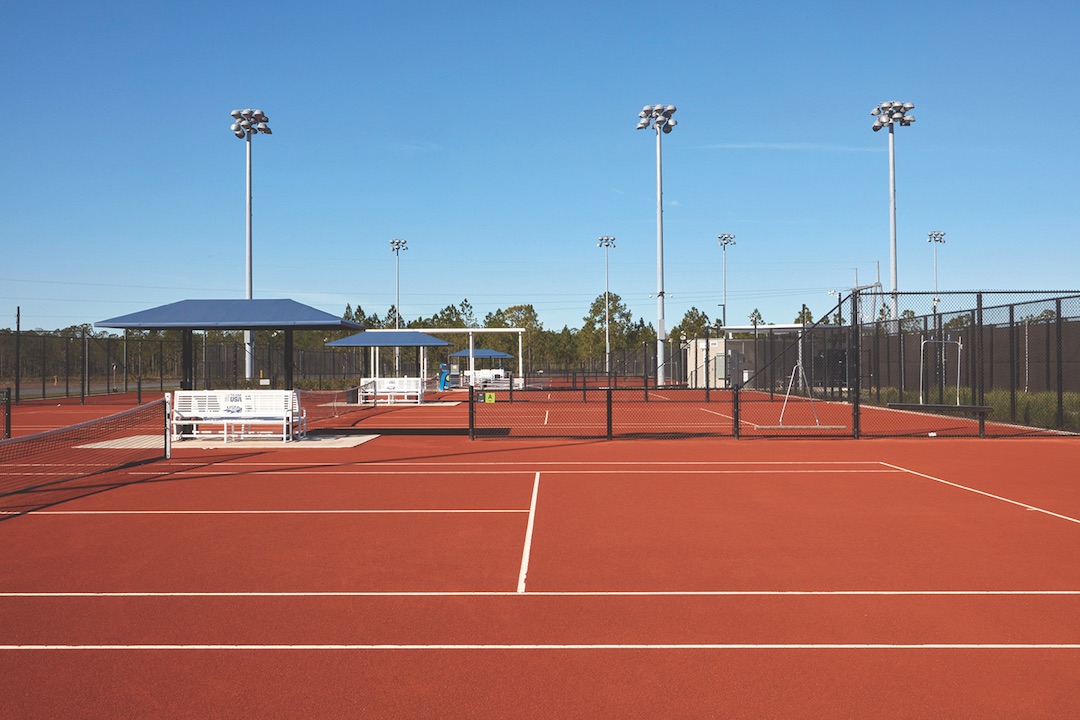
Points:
x=396 y=246
x=889 y=114
x=247 y=123
x=723 y=240
x=607 y=243
x=659 y=118
x=935 y=238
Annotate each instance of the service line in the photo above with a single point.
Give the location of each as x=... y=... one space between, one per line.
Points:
x=983 y=493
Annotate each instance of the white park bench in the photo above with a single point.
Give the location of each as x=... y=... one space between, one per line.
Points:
x=392 y=390
x=237 y=414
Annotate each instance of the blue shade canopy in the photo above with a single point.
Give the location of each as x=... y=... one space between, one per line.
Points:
x=482 y=354
x=389 y=338
x=230 y=315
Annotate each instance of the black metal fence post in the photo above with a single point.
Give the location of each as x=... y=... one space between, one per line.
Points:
x=1012 y=363
x=18 y=353
x=1059 y=359
x=43 y=361
x=854 y=366
x=609 y=406
x=84 y=382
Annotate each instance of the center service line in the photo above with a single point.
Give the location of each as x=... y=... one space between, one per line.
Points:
x=528 y=536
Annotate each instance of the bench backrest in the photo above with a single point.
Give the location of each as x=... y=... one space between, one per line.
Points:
x=235 y=403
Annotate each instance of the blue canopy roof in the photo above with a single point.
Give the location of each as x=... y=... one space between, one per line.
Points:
x=389 y=338
x=230 y=315
x=482 y=354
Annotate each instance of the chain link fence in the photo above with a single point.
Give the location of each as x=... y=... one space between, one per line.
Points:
x=876 y=365
x=36 y=365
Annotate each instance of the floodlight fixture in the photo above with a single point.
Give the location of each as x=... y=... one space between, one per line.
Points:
x=659 y=117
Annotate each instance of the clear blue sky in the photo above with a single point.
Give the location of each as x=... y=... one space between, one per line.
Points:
x=499 y=141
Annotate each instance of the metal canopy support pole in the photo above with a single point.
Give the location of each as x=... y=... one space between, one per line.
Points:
x=187 y=353
x=288 y=359
x=472 y=361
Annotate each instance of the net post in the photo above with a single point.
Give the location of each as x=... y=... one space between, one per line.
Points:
x=511 y=377
x=472 y=412
x=735 y=411
x=7 y=413
x=609 y=435
x=168 y=428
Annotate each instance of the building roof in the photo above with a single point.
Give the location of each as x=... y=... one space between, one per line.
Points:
x=482 y=354
x=389 y=338
x=230 y=315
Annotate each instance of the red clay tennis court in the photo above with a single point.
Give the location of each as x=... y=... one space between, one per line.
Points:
x=414 y=576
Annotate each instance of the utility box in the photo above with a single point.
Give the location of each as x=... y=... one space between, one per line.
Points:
x=735 y=374
x=696 y=352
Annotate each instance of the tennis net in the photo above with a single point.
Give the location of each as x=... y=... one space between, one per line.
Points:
x=62 y=459
x=325 y=404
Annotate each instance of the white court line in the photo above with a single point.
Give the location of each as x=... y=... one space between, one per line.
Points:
x=532 y=463
x=731 y=417
x=984 y=493
x=599 y=646
x=528 y=536
x=311 y=473
x=258 y=512
x=557 y=593
x=547 y=414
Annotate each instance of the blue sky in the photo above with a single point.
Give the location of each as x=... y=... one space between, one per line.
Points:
x=499 y=141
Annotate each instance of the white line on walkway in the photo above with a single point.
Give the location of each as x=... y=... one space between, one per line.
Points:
x=983 y=493
x=598 y=646
x=528 y=536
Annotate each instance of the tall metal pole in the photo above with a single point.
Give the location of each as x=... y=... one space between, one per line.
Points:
x=607 y=243
x=249 y=337
x=661 y=332
x=396 y=246
x=249 y=122
x=889 y=114
x=935 y=237
x=723 y=240
x=659 y=117
x=892 y=220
